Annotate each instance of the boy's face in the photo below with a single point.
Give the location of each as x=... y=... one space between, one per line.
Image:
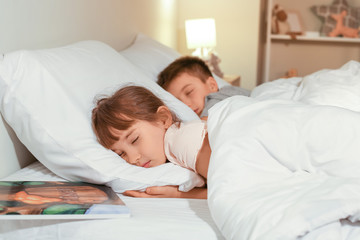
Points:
x=192 y=91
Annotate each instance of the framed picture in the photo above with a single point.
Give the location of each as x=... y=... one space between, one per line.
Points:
x=295 y=22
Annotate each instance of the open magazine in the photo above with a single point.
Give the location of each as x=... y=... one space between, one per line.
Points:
x=59 y=200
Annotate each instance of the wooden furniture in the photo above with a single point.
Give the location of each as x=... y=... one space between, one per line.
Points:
x=232 y=79
x=307 y=53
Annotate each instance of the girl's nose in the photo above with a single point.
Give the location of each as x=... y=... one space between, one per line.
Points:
x=134 y=157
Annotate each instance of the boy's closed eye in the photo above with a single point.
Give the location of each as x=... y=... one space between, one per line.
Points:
x=187 y=93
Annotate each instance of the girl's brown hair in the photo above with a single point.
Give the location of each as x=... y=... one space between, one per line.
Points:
x=122 y=109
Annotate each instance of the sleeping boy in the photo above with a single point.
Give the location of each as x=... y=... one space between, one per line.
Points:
x=190 y=80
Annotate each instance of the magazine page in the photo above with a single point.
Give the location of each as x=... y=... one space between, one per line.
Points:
x=59 y=200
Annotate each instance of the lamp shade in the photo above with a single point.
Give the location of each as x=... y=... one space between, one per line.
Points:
x=200 y=33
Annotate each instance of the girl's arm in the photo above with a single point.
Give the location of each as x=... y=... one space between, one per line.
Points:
x=168 y=192
x=203 y=158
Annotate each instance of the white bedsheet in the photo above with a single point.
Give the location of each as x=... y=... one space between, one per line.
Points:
x=264 y=181
x=283 y=165
x=150 y=219
x=336 y=87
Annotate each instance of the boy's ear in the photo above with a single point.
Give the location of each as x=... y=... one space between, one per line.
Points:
x=212 y=84
x=165 y=116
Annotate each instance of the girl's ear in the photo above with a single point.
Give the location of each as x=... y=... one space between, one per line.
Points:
x=165 y=116
x=212 y=84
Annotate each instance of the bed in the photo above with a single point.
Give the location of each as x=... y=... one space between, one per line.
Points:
x=278 y=200
x=46 y=96
x=36 y=53
x=150 y=219
x=285 y=162
x=76 y=155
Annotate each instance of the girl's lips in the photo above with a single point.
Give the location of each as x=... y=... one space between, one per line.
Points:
x=147 y=164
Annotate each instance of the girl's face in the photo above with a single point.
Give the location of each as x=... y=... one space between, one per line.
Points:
x=142 y=144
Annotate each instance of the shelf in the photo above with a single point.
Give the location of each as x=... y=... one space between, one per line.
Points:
x=280 y=50
x=320 y=39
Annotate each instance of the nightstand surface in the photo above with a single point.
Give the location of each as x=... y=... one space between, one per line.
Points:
x=232 y=79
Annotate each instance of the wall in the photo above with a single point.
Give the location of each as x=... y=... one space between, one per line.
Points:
x=237 y=28
x=157 y=19
x=41 y=23
x=164 y=20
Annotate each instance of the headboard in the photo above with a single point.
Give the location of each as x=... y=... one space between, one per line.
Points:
x=34 y=24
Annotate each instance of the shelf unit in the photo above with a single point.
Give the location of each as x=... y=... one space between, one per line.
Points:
x=320 y=39
x=302 y=40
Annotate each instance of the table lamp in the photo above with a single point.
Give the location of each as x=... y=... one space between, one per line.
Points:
x=200 y=35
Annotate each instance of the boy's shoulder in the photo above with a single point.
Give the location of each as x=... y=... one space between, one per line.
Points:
x=223 y=93
x=230 y=90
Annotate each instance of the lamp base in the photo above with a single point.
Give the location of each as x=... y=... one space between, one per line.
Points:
x=202 y=52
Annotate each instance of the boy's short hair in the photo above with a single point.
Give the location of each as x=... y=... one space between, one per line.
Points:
x=193 y=66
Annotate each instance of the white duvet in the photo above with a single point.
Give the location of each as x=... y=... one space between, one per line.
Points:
x=285 y=163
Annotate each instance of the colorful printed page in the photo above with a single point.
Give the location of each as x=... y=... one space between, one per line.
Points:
x=59 y=200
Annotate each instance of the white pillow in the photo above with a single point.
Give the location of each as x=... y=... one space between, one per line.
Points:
x=149 y=55
x=152 y=57
x=47 y=96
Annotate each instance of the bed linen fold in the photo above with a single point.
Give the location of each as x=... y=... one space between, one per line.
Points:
x=285 y=163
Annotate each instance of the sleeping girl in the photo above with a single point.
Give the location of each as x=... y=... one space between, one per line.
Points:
x=272 y=138
x=141 y=129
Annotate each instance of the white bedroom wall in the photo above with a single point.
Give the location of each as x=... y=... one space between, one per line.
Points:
x=237 y=24
x=237 y=28
x=50 y=23
x=157 y=19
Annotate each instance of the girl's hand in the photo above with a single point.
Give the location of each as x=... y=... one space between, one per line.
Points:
x=155 y=192
x=167 y=192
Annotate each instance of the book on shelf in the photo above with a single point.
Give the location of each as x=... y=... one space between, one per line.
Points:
x=59 y=200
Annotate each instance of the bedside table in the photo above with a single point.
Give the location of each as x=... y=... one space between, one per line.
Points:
x=232 y=79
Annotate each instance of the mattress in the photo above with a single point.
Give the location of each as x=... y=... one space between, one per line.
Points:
x=151 y=218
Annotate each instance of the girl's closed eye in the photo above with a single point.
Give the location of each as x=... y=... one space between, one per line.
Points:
x=135 y=140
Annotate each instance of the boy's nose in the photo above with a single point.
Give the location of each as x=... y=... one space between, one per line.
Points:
x=188 y=103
